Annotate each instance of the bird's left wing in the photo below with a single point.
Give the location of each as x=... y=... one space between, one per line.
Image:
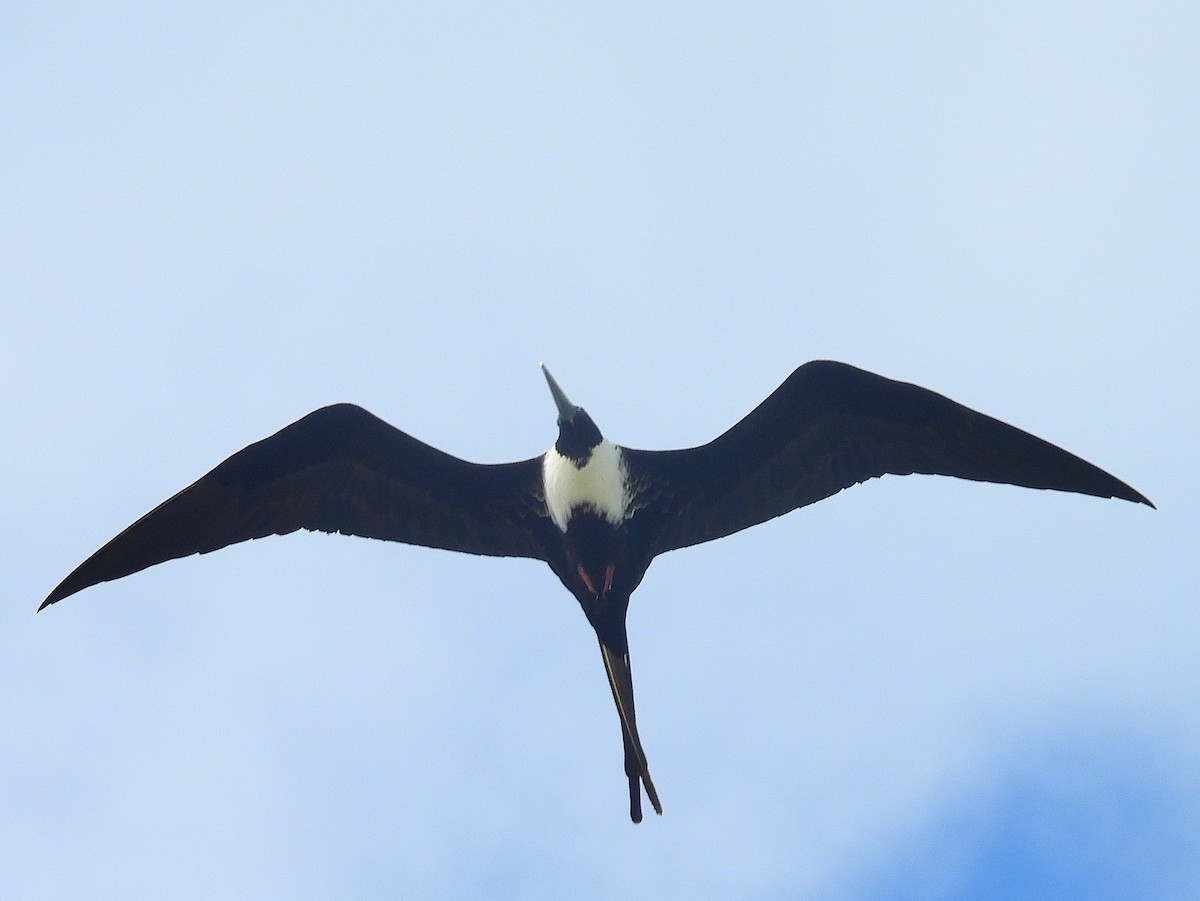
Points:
x=830 y=426
x=339 y=469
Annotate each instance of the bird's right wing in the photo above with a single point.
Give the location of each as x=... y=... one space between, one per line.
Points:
x=830 y=426
x=339 y=469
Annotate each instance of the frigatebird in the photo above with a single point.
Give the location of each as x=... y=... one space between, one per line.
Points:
x=596 y=512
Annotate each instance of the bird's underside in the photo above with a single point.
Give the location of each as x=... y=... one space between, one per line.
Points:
x=598 y=514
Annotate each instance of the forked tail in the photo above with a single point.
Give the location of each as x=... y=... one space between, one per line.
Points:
x=620 y=680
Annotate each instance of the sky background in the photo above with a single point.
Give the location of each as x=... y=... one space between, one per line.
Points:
x=220 y=217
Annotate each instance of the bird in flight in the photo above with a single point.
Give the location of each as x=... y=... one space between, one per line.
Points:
x=596 y=512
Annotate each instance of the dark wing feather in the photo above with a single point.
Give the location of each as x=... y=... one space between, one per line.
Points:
x=339 y=469
x=830 y=426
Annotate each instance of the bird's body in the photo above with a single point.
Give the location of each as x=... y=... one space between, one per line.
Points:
x=596 y=512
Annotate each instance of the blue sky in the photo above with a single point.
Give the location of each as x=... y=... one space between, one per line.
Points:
x=219 y=218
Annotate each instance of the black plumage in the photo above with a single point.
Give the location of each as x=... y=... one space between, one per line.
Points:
x=827 y=427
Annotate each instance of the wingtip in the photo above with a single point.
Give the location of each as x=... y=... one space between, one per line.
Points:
x=1135 y=496
x=52 y=598
x=63 y=589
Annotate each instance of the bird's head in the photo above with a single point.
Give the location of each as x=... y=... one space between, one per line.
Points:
x=577 y=434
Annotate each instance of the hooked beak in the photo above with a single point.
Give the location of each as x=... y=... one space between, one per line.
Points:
x=566 y=409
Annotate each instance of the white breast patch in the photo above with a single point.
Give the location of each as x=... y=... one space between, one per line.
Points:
x=600 y=485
